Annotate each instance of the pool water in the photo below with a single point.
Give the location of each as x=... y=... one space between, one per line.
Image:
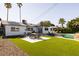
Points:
x=68 y=36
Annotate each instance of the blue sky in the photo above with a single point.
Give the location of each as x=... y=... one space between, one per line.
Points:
x=45 y=11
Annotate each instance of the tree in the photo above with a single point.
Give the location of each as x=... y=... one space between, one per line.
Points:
x=46 y=23
x=8 y=6
x=62 y=22
x=41 y=23
x=20 y=5
x=74 y=25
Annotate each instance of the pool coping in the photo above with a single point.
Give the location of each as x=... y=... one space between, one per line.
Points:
x=68 y=38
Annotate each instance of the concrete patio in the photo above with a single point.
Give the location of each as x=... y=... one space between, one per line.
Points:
x=34 y=40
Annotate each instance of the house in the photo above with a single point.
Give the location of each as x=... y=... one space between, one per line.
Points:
x=33 y=28
x=40 y=29
x=46 y=30
x=13 y=28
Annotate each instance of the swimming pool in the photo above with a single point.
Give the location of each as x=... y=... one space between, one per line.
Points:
x=68 y=36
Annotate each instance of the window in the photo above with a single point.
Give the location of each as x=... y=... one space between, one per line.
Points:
x=29 y=29
x=51 y=29
x=17 y=29
x=46 y=29
x=14 y=29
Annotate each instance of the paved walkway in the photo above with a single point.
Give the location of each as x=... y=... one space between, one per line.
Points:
x=7 y=48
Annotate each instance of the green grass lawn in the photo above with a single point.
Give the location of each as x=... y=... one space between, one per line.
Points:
x=52 y=47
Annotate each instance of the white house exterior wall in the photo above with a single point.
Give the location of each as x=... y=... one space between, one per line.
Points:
x=8 y=31
x=45 y=32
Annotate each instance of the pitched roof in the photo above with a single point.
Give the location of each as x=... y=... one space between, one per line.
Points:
x=12 y=23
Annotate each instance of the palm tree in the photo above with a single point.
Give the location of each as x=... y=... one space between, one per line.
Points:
x=62 y=22
x=8 y=6
x=20 y=5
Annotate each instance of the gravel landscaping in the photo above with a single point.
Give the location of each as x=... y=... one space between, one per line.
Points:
x=7 y=48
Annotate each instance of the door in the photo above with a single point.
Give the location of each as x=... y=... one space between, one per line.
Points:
x=39 y=30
